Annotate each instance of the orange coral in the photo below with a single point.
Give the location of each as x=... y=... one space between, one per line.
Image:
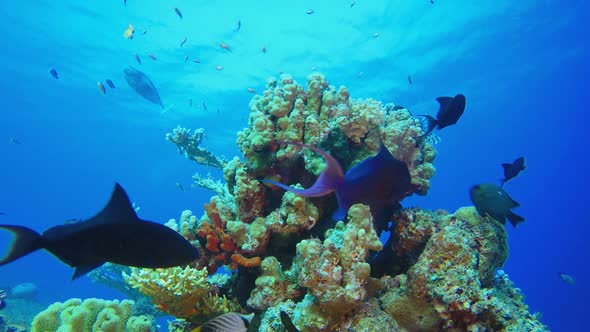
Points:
x=217 y=247
x=246 y=262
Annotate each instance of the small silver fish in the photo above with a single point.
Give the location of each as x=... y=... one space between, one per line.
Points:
x=567 y=278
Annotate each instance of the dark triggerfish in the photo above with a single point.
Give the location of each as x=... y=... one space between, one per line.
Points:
x=380 y=181
x=449 y=112
x=512 y=170
x=114 y=235
x=142 y=85
x=493 y=200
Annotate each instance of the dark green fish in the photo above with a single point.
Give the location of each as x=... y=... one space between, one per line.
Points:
x=114 y=235
x=492 y=200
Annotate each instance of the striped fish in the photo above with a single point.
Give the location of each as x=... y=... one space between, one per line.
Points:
x=230 y=322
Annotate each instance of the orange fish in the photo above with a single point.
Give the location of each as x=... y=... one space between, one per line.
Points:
x=219 y=67
x=224 y=46
x=101 y=88
x=251 y=90
x=153 y=57
x=128 y=33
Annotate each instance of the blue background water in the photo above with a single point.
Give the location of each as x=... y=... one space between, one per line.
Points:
x=523 y=67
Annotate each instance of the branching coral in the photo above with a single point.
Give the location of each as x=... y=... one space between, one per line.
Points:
x=188 y=143
x=182 y=292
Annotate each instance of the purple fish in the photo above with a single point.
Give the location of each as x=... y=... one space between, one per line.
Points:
x=380 y=181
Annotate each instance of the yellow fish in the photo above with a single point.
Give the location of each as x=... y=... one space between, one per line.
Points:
x=128 y=33
x=101 y=88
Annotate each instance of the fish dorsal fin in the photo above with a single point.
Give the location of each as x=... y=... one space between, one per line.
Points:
x=118 y=209
x=444 y=102
x=85 y=268
x=516 y=204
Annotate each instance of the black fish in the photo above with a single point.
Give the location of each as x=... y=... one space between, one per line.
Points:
x=53 y=73
x=114 y=235
x=512 y=170
x=493 y=200
x=110 y=84
x=449 y=112
x=177 y=11
x=142 y=85
x=287 y=322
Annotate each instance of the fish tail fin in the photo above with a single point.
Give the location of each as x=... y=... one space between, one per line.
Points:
x=25 y=242
x=514 y=218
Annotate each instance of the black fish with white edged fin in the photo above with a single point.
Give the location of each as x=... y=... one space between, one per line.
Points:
x=492 y=200
x=449 y=112
x=114 y=235
x=230 y=322
x=512 y=170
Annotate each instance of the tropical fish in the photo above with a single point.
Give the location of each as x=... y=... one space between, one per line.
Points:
x=492 y=200
x=142 y=85
x=114 y=235
x=512 y=170
x=177 y=11
x=53 y=73
x=310 y=11
x=196 y=60
x=380 y=181
x=137 y=58
x=183 y=41
x=449 y=112
x=185 y=58
x=352 y=3
x=224 y=46
x=568 y=279
x=230 y=322
x=287 y=322
x=239 y=25
x=219 y=67
x=144 y=32
x=152 y=56
x=101 y=88
x=376 y=34
x=128 y=33
x=410 y=80
x=110 y=84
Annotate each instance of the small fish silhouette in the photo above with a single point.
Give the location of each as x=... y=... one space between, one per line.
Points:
x=204 y=106
x=101 y=88
x=410 y=80
x=138 y=59
x=224 y=46
x=352 y=4
x=179 y=186
x=128 y=33
x=110 y=84
x=177 y=11
x=190 y=102
x=251 y=90
x=152 y=56
x=185 y=58
x=239 y=25
x=196 y=61
x=219 y=67
x=53 y=73
x=309 y=11
x=183 y=41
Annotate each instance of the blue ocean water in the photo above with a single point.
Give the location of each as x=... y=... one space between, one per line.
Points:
x=522 y=65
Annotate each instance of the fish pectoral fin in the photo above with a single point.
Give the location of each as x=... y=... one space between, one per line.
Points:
x=84 y=268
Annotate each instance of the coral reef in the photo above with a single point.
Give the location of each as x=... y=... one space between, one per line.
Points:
x=437 y=272
x=188 y=143
x=185 y=293
x=76 y=315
